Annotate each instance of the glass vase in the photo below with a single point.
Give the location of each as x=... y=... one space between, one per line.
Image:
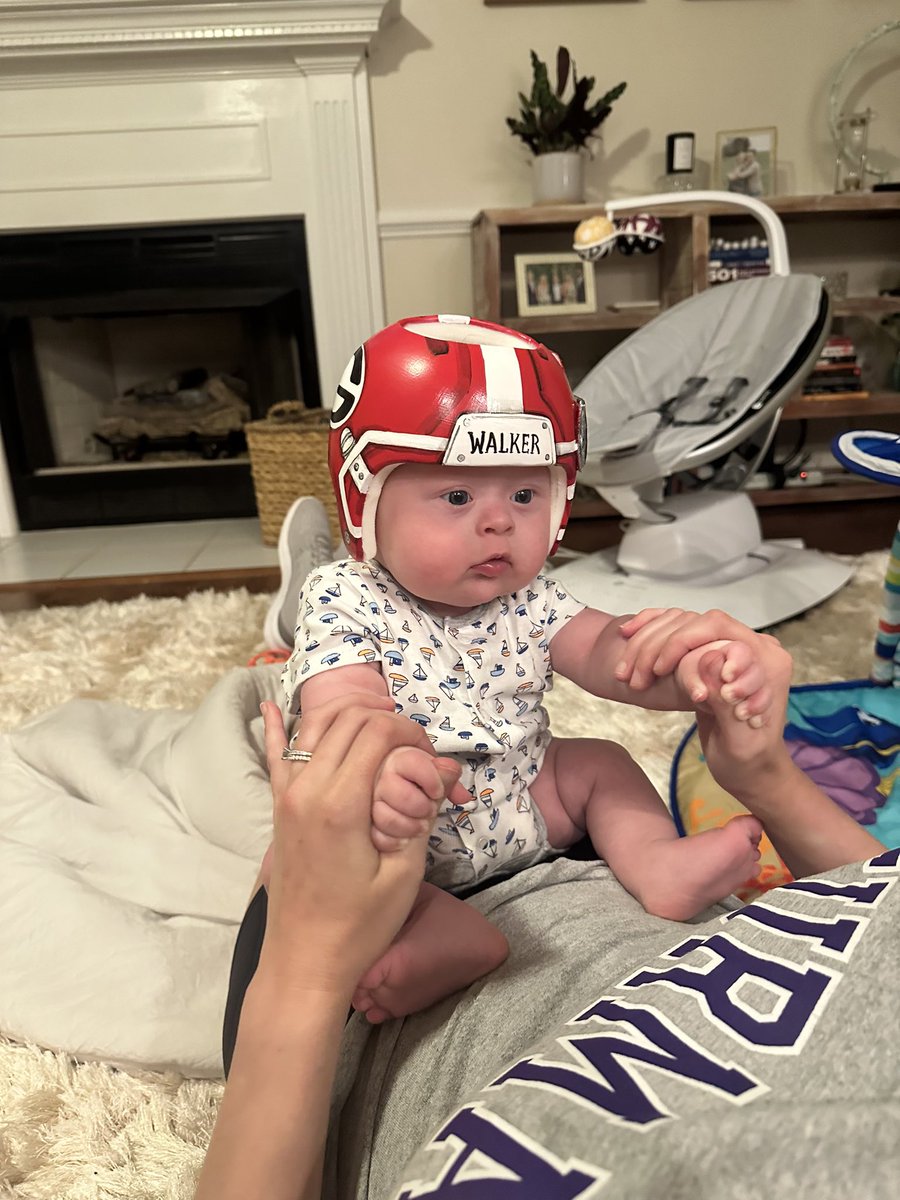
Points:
x=850 y=164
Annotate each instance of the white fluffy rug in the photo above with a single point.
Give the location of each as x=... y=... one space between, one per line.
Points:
x=88 y=1132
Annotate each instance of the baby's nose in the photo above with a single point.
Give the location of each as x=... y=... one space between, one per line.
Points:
x=497 y=517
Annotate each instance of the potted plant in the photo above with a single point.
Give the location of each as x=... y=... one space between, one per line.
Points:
x=557 y=129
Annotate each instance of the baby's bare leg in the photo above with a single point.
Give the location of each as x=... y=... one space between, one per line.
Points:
x=590 y=786
x=444 y=945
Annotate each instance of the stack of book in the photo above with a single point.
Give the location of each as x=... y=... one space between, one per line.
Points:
x=730 y=260
x=836 y=374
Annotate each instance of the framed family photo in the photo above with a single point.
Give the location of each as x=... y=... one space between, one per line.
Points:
x=554 y=283
x=745 y=161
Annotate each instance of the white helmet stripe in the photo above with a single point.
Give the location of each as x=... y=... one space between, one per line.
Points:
x=502 y=379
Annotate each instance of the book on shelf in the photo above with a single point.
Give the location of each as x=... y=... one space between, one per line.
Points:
x=838 y=346
x=836 y=366
x=730 y=260
x=833 y=381
x=754 y=254
x=825 y=397
x=729 y=272
x=752 y=244
x=838 y=389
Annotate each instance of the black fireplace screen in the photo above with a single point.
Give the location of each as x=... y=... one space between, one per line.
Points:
x=130 y=358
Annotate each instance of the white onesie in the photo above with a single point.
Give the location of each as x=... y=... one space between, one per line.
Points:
x=473 y=682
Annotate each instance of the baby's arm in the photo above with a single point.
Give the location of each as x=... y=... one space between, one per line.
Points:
x=634 y=659
x=410 y=780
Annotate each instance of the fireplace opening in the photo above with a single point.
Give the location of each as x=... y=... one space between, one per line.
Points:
x=131 y=357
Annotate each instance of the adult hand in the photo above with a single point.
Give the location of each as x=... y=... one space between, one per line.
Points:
x=335 y=902
x=396 y=817
x=809 y=831
x=663 y=641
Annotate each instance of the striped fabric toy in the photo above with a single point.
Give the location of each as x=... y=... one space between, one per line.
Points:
x=886 y=664
x=876 y=455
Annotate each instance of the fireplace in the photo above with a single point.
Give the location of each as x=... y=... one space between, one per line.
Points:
x=173 y=127
x=131 y=357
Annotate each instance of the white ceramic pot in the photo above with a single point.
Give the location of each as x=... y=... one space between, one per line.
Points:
x=558 y=177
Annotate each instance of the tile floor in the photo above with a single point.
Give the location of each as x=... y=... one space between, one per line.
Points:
x=120 y=550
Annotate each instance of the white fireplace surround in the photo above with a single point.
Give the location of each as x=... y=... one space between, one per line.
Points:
x=129 y=112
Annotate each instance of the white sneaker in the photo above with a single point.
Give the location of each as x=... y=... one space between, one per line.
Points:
x=303 y=543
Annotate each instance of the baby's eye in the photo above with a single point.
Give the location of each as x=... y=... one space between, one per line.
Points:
x=524 y=496
x=458 y=497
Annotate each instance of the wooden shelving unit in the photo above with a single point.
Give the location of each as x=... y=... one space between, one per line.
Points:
x=540 y=327
x=858 y=490
x=806 y=408
x=858 y=233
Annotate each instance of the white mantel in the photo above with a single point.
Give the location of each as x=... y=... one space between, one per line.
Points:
x=125 y=112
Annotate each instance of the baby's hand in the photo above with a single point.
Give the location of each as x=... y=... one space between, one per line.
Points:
x=741 y=679
x=408 y=791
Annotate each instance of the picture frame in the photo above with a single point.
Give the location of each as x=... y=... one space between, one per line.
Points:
x=556 y=284
x=745 y=161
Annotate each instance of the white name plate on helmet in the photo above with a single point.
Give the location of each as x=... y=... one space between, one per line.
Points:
x=501 y=439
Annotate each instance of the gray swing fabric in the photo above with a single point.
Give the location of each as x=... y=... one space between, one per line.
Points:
x=699 y=378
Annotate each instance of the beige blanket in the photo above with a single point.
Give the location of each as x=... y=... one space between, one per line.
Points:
x=129 y=845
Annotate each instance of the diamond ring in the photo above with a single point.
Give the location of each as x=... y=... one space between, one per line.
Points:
x=291 y=755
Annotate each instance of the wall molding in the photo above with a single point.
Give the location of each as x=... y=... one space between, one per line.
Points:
x=394 y=226
x=66 y=27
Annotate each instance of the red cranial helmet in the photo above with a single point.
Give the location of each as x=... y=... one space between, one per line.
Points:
x=455 y=391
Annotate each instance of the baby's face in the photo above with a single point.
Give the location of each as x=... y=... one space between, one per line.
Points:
x=458 y=537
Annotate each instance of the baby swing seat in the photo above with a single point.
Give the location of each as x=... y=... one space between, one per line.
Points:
x=679 y=416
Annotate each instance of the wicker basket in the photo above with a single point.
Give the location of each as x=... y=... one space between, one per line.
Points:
x=289 y=458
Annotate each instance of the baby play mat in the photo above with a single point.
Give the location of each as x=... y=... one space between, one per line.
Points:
x=845 y=736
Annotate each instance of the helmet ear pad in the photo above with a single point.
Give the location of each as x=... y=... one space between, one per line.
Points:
x=370 y=508
x=558 y=503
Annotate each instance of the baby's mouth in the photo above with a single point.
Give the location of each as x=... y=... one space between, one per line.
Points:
x=493 y=565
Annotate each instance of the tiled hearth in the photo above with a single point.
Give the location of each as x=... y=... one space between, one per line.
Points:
x=73 y=566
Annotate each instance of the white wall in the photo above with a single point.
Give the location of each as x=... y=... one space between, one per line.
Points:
x=445 y=74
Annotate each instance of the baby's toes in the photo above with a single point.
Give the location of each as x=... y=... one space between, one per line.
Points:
x=375 y=1015
x=361 y=1000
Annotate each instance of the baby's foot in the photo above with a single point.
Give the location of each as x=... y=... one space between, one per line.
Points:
x=445 y=946
x=395 y=986
x=686 y=875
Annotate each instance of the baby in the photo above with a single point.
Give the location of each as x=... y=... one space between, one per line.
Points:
x=453 y=452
